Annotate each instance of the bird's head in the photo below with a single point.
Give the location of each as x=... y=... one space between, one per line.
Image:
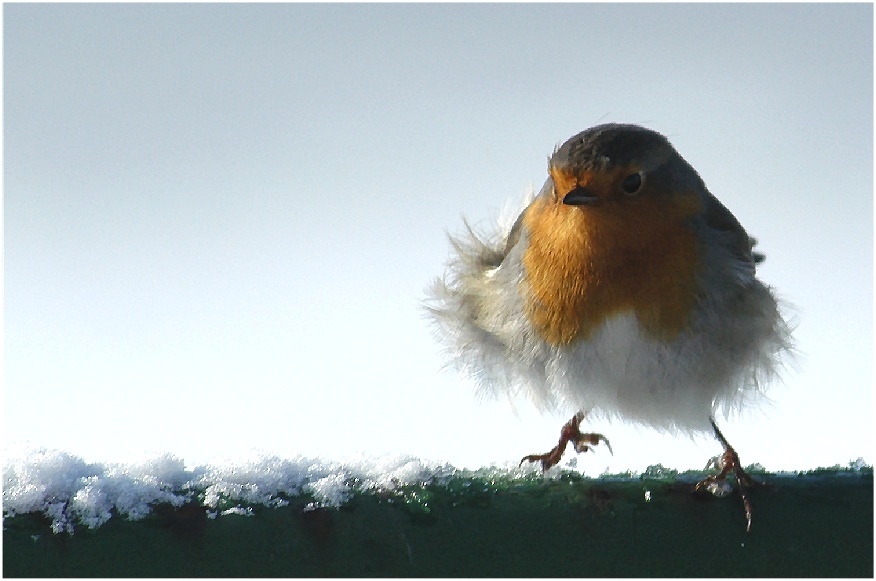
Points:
x=615 y=167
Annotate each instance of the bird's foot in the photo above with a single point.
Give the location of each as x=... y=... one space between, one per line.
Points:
x=569 y=433
x=717 y=484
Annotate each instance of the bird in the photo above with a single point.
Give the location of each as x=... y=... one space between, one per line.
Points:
x=625 y=290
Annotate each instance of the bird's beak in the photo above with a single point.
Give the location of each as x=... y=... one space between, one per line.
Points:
x=580 y=196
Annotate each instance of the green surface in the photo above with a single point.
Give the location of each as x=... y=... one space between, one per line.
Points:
x=818 y=524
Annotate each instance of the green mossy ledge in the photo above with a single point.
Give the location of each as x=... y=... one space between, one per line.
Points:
x=805 y=525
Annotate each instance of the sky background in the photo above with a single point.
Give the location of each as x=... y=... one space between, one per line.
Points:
x=220 y=220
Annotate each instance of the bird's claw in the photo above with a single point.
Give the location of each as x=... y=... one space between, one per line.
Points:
x=547 y=460
x=718 y=488
x=585 y=442
x=717 y=485
x=569 y=433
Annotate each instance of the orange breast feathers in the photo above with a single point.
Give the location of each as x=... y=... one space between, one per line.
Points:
x=585 y=264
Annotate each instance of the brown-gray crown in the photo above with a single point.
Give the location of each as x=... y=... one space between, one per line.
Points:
x=609 y=144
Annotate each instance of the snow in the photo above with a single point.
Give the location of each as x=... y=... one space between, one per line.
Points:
x=73 y=493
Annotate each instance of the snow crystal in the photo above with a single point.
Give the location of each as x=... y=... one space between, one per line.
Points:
x=91 y=503
x=74 y=493
x=264 y=480
x=330 y=491
x=239 y=511
x=38 y=478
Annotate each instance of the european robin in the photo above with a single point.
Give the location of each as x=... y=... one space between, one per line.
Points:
x=623 y=289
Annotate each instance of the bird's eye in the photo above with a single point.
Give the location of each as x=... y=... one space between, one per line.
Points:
x=632 y=183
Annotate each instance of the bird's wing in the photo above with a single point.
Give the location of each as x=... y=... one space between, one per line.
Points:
x=514 y=233
x=517 y=229
x=740 y=244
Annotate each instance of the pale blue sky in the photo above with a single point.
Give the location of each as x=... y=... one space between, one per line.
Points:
x=220 y=219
